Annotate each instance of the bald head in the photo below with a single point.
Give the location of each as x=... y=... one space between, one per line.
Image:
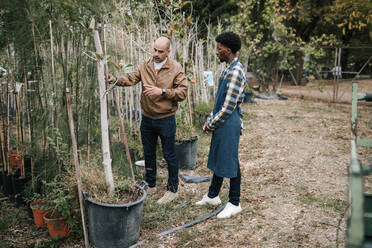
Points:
x=161 y=49
x=163 y=41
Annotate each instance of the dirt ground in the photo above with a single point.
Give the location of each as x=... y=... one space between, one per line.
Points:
x=294 y=155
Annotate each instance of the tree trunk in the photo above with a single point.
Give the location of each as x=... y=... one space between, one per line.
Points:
x=104 y=120
x=299 y=62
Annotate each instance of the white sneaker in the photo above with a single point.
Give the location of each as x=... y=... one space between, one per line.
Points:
x=206 y=200
x=168 y=197
x=229 y=211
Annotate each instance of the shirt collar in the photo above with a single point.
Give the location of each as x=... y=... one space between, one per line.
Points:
x=228 y=64
x=159 y=65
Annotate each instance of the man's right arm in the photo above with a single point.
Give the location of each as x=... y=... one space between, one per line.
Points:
x=128 y=79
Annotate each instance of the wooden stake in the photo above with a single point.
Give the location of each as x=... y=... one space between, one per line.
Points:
x=88 y=133
x=293 y=78
x=53 y=81
x=2 y=142
x=123 y=133
x=76 y=163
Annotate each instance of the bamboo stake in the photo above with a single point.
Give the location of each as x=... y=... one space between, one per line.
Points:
x=2 y=149
x=88 y=133
x=29 y=104
x=293 y=78
x=335 y=76
x=54 y=83
x=22 y=108
x=103 y=107
x=8 y=102
x=339 y=74
x=2 y=142
x=76 y=163
x=123 y=133
x=15 y=95
x=53 y=75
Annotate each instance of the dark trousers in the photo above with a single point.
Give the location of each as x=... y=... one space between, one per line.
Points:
x=150 y=131
x=234 y=194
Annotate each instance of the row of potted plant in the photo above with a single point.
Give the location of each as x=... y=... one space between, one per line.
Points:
x=47 y=217
x=56 y=208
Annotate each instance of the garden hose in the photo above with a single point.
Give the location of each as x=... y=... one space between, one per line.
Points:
x=191 y=223
x=205 y=217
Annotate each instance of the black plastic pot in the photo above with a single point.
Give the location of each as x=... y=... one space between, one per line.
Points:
x=27 y=165
x=1 y=179
x=114 y=225
x=7 y=183
x=18 y=185
x=134 y=156
x=187 y=151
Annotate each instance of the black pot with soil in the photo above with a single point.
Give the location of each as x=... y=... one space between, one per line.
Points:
x=187 y=151
x=114 y=225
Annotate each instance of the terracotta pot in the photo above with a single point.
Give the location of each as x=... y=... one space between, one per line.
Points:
x=15 y=159
x=56 y=225
x=38 y=213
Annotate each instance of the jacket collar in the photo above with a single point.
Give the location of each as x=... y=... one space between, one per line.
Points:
x=150 y=63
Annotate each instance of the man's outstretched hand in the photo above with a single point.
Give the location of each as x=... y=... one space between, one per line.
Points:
x=110 y=79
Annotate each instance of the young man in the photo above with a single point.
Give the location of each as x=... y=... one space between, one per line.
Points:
x=163 y=85
x=224 y=121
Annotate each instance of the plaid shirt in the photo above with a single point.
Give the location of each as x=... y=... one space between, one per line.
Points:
x=236 y=83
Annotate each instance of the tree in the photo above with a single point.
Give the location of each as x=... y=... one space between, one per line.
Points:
x=279 y=33
x=351 y=21
x=211 y=12
x=269 y=43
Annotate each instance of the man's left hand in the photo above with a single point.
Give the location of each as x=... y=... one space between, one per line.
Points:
x=152 y=91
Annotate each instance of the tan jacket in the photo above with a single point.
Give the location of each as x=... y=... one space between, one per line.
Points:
x=170 y=76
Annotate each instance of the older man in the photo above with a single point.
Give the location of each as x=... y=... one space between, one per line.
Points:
x=163 y=85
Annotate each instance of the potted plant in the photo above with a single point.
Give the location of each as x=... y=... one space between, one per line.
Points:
x=57 y=226
x=112 y=220
x=60 y=198
x=39 y=208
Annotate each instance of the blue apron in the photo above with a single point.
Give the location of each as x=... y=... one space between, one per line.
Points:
x=223 y=152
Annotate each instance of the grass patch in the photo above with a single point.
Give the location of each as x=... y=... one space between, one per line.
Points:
x=310 y=198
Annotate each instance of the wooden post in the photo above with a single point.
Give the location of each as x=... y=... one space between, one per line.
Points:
x=76 y=163
x=2 y=142
x=293 y=77
x=54 y=114
x=335 y=76
x=123 y=133
x=103 y=107
x=88 y=132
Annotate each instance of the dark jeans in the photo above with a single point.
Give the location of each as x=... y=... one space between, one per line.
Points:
x=234 y=194
x=150 y=131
